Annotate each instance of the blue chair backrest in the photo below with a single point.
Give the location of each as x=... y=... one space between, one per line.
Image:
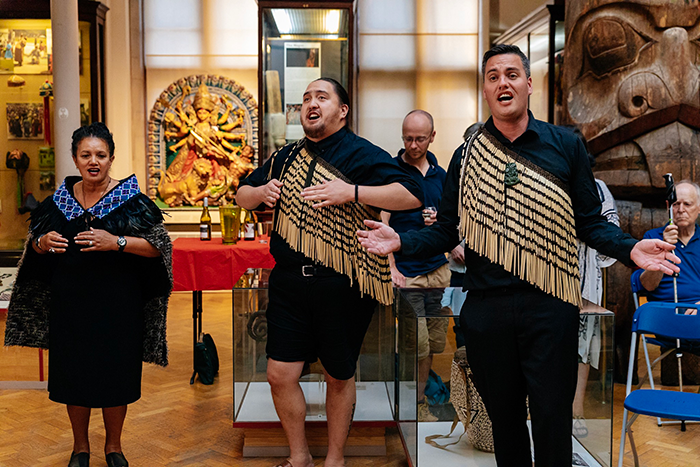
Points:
x=661 y=318
x=636 y=291
x=635 y=288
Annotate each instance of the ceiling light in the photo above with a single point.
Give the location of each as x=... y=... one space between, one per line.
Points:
x=284 y=24
x=332 y=21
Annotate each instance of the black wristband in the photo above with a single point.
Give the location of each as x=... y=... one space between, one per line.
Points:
x=357 y=188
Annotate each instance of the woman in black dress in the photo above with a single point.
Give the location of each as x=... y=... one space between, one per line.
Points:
x=96 y=273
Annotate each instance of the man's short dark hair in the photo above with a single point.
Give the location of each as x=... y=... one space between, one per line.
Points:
x=342 y=95
x=501 y=49
x=94 y=130
x=339 y=90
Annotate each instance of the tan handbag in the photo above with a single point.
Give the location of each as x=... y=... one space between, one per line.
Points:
x=469 y=407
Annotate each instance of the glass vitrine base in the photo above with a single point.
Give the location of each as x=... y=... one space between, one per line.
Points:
x=255 y=403
x=463 y=454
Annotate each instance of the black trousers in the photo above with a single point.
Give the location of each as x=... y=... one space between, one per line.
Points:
x=523 y=343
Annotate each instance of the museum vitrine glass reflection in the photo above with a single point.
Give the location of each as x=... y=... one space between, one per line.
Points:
x=425 y=421
x=299 y=42
x=251 y=393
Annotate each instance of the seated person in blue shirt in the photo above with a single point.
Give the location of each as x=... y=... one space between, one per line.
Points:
x=683 y=233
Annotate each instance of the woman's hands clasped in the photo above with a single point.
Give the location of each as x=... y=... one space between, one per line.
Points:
x=96 y=240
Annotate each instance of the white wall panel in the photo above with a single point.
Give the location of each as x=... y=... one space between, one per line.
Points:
x=173 y=33
x=387 y=16
x=448 y=52
x=233 y=33
x=384 y=100
x=380 y=52
x=448 y=16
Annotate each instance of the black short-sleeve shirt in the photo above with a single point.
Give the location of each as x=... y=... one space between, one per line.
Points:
x=360 y=161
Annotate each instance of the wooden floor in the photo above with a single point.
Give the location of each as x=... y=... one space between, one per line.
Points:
x=175 y=424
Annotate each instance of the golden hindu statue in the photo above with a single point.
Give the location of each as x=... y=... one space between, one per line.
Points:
x=209 y=129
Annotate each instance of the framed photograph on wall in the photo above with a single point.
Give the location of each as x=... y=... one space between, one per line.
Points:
x=25 y=51
x=25 y=121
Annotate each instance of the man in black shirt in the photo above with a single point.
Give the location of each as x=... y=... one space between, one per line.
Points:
x=519 y=198
x=316 y=309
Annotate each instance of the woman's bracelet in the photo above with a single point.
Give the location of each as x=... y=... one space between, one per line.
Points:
x=357 y=192
x=37 y=242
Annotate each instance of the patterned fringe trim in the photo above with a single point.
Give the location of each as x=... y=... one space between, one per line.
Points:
x=328 y=235
x=527 y=228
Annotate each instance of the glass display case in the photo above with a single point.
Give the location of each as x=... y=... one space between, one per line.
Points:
x=28 y=23
x=592 y=429
x=252 y=400
x=300 y=42
x=425 y=422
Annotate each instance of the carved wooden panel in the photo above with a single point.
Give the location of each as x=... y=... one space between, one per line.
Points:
x=632 y=82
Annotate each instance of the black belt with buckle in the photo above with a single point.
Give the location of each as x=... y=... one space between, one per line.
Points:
x=311 y=270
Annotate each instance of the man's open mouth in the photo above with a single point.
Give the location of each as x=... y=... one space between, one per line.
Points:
x=505 y=97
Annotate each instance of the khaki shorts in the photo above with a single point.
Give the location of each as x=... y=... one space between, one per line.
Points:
x=432 y=332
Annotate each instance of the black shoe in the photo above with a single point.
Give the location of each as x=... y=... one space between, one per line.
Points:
x=79 y=459
x=116 y=459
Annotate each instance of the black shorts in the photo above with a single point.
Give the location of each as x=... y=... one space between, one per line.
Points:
x=317 y=317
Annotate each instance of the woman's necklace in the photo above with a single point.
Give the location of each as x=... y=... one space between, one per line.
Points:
x=82 y=191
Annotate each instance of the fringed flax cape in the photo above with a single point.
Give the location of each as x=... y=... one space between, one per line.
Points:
x=328 y=235
x=527 y=228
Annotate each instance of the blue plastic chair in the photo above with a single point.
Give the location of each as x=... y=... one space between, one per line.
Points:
x=659 y=318
x=650 y=340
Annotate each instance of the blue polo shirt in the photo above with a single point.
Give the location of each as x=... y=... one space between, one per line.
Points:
x=689 y=278
x=406 y=221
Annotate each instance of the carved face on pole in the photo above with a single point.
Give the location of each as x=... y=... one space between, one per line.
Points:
x=632 y=82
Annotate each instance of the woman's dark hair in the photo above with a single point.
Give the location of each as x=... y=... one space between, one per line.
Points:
x=94 y=130
x=505 y=49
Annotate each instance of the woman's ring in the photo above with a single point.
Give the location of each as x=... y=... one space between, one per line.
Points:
x=51 y=250
x=90 y=243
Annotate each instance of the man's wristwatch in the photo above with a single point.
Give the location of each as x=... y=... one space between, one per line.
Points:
x=121 y=243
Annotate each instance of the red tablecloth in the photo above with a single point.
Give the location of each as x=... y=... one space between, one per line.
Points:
x=199 y=265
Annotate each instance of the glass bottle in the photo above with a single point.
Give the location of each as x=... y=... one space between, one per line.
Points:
x=249 y=229
x=205 y=221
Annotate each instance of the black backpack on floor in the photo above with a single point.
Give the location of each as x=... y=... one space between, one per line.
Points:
x=206 y=359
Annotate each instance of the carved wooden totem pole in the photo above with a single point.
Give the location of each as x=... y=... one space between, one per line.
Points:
x=632 y=83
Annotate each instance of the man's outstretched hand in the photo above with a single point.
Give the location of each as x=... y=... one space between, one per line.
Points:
x=380 y=240
x=655 y=255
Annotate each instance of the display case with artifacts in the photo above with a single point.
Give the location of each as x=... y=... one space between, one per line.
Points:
x=202 y=140
x=300 y=42
x=27 y=44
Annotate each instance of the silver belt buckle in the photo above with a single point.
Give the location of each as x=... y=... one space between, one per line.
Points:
x=308 y=268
